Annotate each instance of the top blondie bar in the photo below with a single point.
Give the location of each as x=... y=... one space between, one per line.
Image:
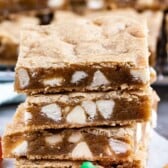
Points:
x=78 y=54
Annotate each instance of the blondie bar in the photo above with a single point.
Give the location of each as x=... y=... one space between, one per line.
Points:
x=83 y=55
x=9 y=36
x=94 y=144
x=139 y=4
x=85 y=109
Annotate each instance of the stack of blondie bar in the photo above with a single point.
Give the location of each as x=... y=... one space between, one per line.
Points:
x=89 y=100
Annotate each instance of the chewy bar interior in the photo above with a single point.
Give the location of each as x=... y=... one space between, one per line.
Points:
x=86 y=109
x=9 y=36
x=83 y=55
x=139 y=4
x=110 y=143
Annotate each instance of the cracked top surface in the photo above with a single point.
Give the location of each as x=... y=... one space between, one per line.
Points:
x=154 y=21
x=116 y=39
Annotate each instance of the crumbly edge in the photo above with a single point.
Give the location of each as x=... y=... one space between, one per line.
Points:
x=47 y=90
x=38 y=99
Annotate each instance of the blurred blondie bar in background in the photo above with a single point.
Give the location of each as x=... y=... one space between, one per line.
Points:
x=15 y=13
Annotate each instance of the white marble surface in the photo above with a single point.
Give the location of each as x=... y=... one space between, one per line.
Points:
x=158 y=151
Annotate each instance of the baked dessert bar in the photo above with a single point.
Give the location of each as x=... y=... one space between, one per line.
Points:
x=8 y=6
x=154 y=20
x=139 y=4
x=84 y=109
x=110 y=143
x=9 y=36
x=83 y=55
x=41 y=112
x=96 y=5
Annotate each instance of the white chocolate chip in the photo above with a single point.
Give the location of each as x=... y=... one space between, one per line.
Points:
x=21 y=149
x=52 y=111
x=53 y=82
x=78 y=76
x=53 y=139
x=23 y=77
x=141 y=74
x=81 y=150
x=27 y=117
x=95 y=4
x=75 y=137
x=90 y=108
x=118 y=146
x=138 y=132
x=99 y=79
x=105 y=107
x=55 y=3
x=77 y=115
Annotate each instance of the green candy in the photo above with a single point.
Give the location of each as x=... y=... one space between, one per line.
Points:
x=87 y=165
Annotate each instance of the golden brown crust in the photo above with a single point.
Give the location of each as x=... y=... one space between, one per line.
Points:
x=78 y=50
